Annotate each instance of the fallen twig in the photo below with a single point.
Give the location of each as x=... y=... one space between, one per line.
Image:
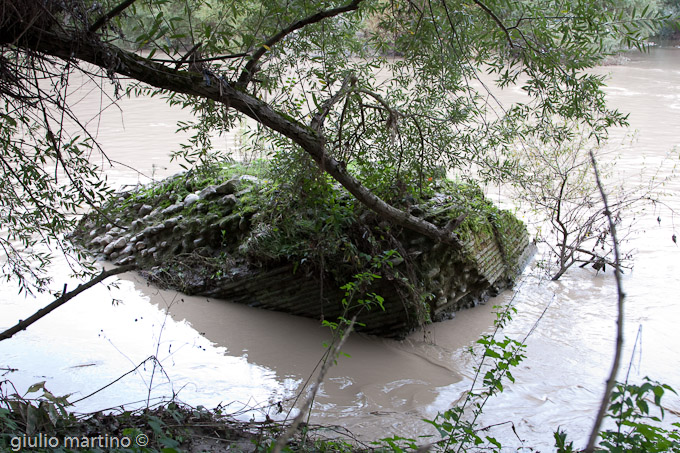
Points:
x=285 y=437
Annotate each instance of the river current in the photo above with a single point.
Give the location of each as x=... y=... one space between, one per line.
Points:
x=212 y=352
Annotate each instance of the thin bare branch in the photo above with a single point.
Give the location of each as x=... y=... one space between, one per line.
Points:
x=251 y=67
x=183 y=60
x=110 y=15
x=330 y=359
x=65 y=297
x=595 y=257
x=611 y=381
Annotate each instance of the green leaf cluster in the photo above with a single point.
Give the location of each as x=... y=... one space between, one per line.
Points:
x=638 y=423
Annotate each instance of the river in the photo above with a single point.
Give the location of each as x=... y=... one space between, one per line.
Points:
x=213 y=352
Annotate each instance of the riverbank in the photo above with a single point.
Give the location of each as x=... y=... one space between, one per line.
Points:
x=45 y=426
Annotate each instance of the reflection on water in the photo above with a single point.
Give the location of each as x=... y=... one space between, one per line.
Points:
x=227 y=353
x=103 y=333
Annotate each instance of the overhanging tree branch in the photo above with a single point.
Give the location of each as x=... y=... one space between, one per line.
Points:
x=495 y=18
x=23 y=324
x=115 y=60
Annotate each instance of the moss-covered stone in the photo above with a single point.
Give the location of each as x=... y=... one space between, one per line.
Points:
x=243 y=238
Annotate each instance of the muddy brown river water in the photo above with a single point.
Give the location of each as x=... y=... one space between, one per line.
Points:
x=213 y=352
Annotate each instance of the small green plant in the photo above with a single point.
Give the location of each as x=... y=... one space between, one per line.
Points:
x=638 y=429
x=357 y=297
x=458 y=426
x=561 y=442
x=31 y=415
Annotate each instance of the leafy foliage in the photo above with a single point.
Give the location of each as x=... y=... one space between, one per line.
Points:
x=394 y=120
x=27 y=423
x=48 y=178
x=670 y=29
x=458 y=426
x=638 y=428
x=389 y=88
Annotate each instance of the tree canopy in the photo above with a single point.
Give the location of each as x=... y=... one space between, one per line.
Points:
x=378 y=94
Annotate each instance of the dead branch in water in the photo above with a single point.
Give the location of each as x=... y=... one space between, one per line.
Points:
x=611 y=381
x=330 y=359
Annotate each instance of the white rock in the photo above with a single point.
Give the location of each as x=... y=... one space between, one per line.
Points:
x=191 y=199
x=108 y=249
x=124 y=261
x=173 y=208
x=120 y=243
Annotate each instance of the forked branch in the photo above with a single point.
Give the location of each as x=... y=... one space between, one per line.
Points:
x=250 y=68
x=317 y=121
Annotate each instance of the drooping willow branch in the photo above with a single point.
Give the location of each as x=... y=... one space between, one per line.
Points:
x=68 y=46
